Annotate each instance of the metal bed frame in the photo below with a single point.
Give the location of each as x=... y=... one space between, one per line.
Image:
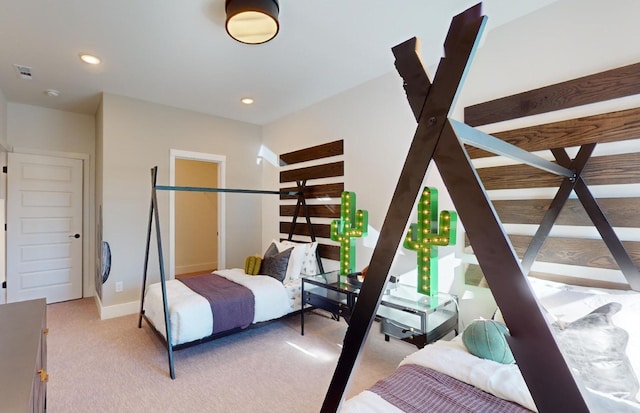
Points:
x=154 y=217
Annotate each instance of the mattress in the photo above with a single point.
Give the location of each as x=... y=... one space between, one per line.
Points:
x=564 y=306
x=190 y=313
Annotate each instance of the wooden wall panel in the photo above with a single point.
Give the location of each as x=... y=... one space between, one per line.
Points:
x=315 y=211
x=330 y=252
x=313 y=172
x=620 y=212
x=315 y=152
x=575 y=251
x=473 y=276
x=601 y=128
x=612 y=84
x=320 y=230
x=313 y=193
x=317 y=191
x=601 y=170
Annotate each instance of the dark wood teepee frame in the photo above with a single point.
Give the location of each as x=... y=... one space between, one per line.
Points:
x=442 y=140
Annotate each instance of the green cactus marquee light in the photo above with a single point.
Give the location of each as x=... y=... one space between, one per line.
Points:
x=426 y=235
x=351 y=225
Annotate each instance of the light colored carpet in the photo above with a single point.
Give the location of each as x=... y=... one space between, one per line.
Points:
x=113 y=366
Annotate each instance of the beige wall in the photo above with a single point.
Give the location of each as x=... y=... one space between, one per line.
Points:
x=39 y=128
x=138 y=135
x=3 y=186
x=57 y=133
x=97 y=205
x=3 y=120
x=196 y=217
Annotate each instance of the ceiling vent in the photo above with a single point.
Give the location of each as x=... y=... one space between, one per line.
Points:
x=24 y=72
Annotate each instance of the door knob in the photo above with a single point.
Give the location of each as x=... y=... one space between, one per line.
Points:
x=76 y=236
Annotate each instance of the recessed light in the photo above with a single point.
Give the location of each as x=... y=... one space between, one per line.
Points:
x=90 y=59
x=247 y=101
x=52 y=92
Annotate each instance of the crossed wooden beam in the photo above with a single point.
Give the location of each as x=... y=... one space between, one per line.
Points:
x=440 y=139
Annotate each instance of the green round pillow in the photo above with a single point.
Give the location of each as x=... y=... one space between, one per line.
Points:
x=486 y=339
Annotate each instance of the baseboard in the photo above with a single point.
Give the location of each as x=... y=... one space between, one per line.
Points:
x=192 y=268
x=117 y=310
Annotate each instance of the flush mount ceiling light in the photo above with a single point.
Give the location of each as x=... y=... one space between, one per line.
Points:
x=90 y=59
x=252 y=21
x=247 y=101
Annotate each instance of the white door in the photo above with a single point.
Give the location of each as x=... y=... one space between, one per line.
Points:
x=44 y=227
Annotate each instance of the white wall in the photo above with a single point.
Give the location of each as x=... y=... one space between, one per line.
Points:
x=3 y=189
x=564 y=40
x=3 y=121
x=138 y=135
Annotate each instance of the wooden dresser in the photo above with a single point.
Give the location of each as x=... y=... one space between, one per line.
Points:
x=23 y=356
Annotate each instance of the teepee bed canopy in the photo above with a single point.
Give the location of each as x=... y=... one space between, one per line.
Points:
x=203 y=307
x=576 y=345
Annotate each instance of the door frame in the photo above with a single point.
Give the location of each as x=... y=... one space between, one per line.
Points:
x=205 y=157
x=88 y=216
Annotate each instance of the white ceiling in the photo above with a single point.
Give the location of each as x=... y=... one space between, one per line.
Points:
x=177 y=53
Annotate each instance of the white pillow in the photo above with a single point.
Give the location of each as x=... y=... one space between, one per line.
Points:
x=295 y=259
x=310 y=262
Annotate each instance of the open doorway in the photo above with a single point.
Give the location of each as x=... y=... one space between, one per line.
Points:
x=197 y=238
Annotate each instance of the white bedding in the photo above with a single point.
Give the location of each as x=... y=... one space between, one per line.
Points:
x=565 y=304
x=190 y=313
x=453 y=359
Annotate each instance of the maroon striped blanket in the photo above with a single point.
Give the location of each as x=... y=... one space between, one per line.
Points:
x=232 y=305
x=417 y=389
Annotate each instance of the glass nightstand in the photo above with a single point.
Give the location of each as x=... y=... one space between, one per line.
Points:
x=415 y=318
x=403 y=313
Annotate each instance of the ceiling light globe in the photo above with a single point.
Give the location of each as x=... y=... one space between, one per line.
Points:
x=252 y=21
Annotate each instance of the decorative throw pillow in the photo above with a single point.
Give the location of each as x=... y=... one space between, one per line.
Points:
x=310 y=262
x=275 y=263
x=295 y=260
x=486 y=339
x=595 y=350
x=252 y=265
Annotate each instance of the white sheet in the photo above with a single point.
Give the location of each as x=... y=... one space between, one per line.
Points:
x=453 y=359
x=565 y=304
x=190 y=313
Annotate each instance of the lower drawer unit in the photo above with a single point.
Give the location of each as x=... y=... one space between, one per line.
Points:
x=418 y=327
x=337 y=308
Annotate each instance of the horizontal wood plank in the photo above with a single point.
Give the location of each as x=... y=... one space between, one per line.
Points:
x=317 y=191
x=611 y=84
x=330 y=252
x=601 y=128
x=325 y=150
x=313 y=172
x=473 y=276
x=575 y=251
x=620 y=212
x=320 y=230
x=601 y=170
x=315 y=211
